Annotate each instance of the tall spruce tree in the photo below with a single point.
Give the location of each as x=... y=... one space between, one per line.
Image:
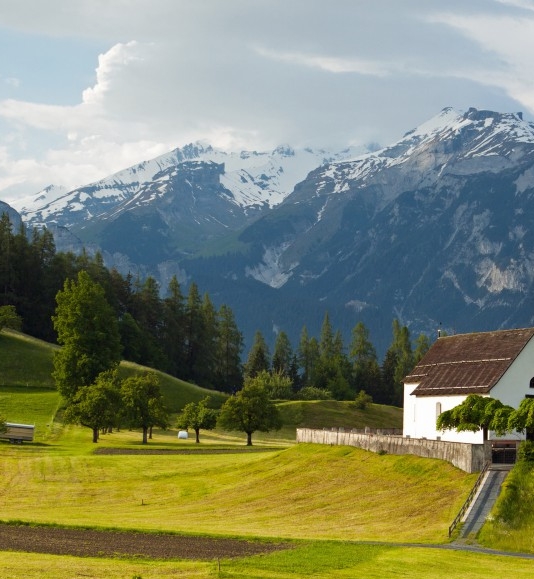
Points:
x=229 y=372
x=88 y=332
x=194 y=333
x=400 y=362
x=365 y=367
x=282 y=355
x=148 y=313
x=422 y=346
x=174 y=328
x=206 y=371
x=258 y=357
x=308 y=357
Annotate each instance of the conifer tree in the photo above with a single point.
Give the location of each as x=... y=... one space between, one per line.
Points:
x=283 y=354
x=258 y=357
x=173 y=331
x=88 y=333
x=229 y=373
x=366 y=371
x=308 y=357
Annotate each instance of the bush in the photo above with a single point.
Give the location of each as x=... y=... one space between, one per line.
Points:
x=362 y=401
x=313 y=393
x=9 y=318
x=526 y=451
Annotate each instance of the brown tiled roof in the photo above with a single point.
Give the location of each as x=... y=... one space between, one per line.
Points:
x=467 y=363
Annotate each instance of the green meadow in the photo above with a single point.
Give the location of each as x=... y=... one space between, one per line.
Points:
x=344 y=512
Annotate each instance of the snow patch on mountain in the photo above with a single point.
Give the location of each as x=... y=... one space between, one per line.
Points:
x=480 y=141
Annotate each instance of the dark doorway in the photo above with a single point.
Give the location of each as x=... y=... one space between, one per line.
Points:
x=503 y=452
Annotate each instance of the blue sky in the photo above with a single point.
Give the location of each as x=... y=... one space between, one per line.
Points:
x=89 y=87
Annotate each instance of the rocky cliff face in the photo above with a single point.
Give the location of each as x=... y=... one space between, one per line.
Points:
x=434 y=229
x=13 y=215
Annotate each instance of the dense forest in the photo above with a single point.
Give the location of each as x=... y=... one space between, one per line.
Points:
x=188 y=337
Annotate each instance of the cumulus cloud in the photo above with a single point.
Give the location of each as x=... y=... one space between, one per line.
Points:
x=244 y=74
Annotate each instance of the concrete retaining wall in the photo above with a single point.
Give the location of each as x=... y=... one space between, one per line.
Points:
x=468 y=457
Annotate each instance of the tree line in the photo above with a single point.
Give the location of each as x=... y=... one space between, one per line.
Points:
x=322 y=367
x=188 y=337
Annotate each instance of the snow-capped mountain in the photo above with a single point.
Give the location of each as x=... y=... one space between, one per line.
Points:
x=437 y=228
x=450 y=149
x=246 y=179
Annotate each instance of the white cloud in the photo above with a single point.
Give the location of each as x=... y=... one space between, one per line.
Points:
x=253 y=75
x=510 y=39
x=330 y=64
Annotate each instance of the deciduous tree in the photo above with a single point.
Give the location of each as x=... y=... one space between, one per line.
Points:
x=143 y=403
x=522 y=419
x=197 y=416
x=96 y=406
x=250 y=410
x=473 y=414
x=9 y=318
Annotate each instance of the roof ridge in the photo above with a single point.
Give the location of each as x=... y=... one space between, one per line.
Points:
x=463 y=362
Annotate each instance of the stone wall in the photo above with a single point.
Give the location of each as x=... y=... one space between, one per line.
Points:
x=468 y=457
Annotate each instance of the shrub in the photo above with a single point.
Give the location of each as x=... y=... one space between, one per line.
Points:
x=313 y=393
x=362 y=400
x=526 y=451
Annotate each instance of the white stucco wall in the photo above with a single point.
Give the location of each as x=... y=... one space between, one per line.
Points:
x=420 y=413
x=515 y=383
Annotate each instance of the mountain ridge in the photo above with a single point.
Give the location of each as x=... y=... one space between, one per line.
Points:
x=433 y=229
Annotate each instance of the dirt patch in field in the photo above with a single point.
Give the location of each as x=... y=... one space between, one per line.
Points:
x=89 y=543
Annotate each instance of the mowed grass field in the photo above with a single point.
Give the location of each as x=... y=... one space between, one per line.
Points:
x=326 y=501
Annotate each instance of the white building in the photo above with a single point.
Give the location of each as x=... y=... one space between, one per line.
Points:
x=497 y=364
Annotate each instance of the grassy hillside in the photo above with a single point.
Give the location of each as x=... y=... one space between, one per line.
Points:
x=335 y=414
x=321 y=498
x=331 y=560
x=306 y=491
x=511 y=526
x=28 y=393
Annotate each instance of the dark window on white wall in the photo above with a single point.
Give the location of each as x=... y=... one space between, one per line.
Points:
x=532 y=382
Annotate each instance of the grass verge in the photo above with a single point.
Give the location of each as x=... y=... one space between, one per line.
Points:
x=511 y=524
x=318 y=560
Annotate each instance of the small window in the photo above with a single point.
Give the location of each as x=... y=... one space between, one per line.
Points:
x=532 y=382
x=438 y=409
